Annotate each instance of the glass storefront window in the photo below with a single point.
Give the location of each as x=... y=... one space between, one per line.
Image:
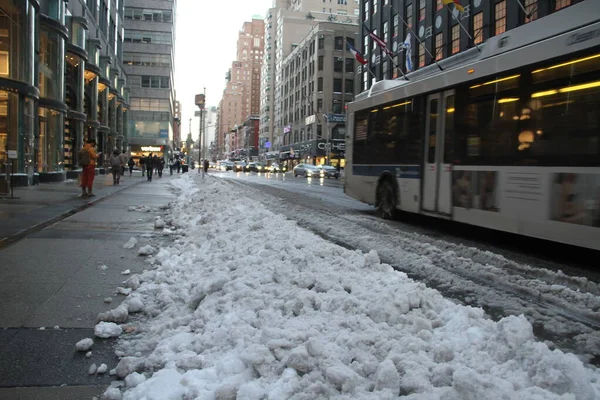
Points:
x=51 y=65
x=50 y=141
x=55 y=9
x=93 y=53
x=17 y=41
x=78 y=34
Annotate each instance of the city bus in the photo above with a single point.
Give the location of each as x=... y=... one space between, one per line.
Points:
x=505 y=137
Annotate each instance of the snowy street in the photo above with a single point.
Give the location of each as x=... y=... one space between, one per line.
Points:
x=252 y=295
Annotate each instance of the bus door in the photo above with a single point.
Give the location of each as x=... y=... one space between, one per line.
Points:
x=437 y=173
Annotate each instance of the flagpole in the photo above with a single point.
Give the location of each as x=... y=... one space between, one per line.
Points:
x=528 y=15
x=416 y=37
x=463 y=27
x=397 y=66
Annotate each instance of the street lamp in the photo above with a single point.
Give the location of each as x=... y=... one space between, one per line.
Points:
x=200 y=102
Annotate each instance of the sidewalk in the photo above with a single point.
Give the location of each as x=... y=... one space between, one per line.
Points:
x=54 y=281
x=35 y=207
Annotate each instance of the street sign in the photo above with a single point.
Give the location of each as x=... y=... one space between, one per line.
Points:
x=200 y=101
x=337 y=118
x=12 y=154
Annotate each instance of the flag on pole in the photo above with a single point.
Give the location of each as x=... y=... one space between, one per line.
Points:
x=356 y=54
x=408 y=52
x=456 y=4
x=380 y=42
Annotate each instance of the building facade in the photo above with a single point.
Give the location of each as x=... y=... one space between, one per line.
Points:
x=61 y=82
x=286 y=24
x=241 y=96
x=436 y=29
x=149 y=55
x=315 y=82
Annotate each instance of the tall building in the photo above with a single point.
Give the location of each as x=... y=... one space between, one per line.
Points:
x=148 y=55
x=436 y=29
x=61 y=82
x=176 y=142
x=316 y=82
x=286 y=24
x=241 y=97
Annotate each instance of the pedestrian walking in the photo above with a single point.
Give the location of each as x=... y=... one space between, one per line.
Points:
x=130 y=164
x=149 y=167
x=205 y=166
x=86 y=158
x=155 y=163
x=143 y=165
x=178 y=165
x=124 y=159
x=161 y=166
x=115 y=166
x=171 y=165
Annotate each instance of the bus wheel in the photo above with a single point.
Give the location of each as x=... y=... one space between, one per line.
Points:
x=386 y=200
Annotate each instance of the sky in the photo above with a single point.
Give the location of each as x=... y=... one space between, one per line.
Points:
x=241 y=302
x=205 y=47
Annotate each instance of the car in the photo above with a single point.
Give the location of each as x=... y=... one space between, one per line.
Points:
x=277 y=168
x=255 y=167
x=239 y=166
x=307 y=170
x=327 y=171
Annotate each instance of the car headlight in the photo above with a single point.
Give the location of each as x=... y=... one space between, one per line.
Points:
x=259 y=167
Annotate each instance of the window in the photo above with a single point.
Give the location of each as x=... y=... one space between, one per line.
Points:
x=531 y=8
x=388 y=135
x=133 y=36
x=155 y=82
x=422 y=8
x=320 y=84
x=337 y=85
x=337 y=106
x=350 y=86
x=439 y=47
x=478 y=27
x=365 y=45
x=455 y=39
x=349 y=65
x=385 y=31
x=365 y=80
x=439 y=5
x=500 y=17
x=374 y=44
x=319 y=105
x=366 y=10
x=409 y=15
x=374 y=7
x=421 y=55
x=395 y=28
x=338 y=64
x=144 y=14
x=321 y=43
x=320 y=63
x=562 y=4
x=339 y=43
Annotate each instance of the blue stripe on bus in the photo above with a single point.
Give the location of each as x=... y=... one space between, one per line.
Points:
x=401 y=171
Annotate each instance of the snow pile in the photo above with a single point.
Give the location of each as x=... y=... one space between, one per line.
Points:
x=248 y=305
x=146 y=250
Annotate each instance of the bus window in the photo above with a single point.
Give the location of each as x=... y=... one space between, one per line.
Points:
x=449 y=130
x=432 y=135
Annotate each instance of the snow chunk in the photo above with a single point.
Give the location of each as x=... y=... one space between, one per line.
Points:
x=388 y=377
x=126 y=272
x=146 y=250
x=118 y=315
x=84 y=344
x=102 y=368
x=159 y=223
x=134 y=304
x=88 y=354
x=134 y=379
x=130 y=244
x=128 y=365
x=133 y=282
x=107 y=329
x=112 y=393
x=93 y=369
x=108 y=300
x=124 y=291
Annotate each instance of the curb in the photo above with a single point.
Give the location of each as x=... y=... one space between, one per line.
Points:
x=7 y=241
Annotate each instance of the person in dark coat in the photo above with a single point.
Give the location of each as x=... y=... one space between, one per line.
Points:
x=161 y=166
x=149 y=167
x=205 y=166
x=130 y=164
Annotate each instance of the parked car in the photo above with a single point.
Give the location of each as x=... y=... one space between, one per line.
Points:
x=307 y=170
x=327 y=171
